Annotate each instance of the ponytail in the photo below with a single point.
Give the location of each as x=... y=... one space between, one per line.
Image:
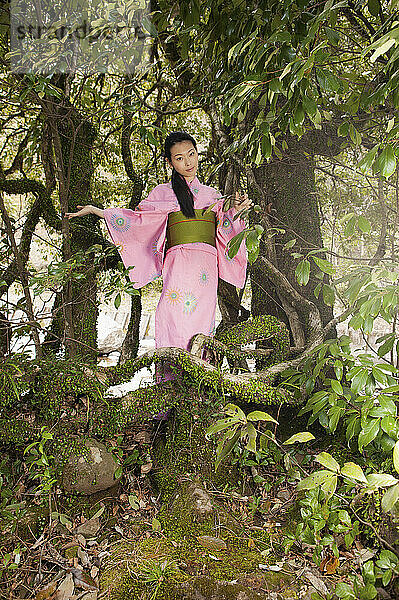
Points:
x=184 y=194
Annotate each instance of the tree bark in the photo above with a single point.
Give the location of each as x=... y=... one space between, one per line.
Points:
x=73 y=137
x=288 y=185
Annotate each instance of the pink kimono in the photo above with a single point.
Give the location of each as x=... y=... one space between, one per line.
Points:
x=190 y=271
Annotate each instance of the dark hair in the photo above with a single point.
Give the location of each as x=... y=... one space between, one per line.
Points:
x=183 y=193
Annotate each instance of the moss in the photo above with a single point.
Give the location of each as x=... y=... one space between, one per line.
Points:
x=71 y=552
x=44 y=384
x=264 y=327
x=125 y=570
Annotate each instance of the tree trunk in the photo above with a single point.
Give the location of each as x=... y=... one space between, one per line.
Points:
x=288 y=184
x=73 y=138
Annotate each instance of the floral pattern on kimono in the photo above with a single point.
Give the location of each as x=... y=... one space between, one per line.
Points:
x=190 y=271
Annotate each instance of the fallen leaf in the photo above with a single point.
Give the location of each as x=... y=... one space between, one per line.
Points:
x=84 y=580
x=317 y=583
x=94 y=571
x=46 y=592
x=90 y=596
x=81 y=539
x=329 y=565
x=38 y=542
x=364 y=555
x=66 y=588
x=212 y=543
x=146 y=468
x=251 y=543
x=89 y=528
x=83 y=557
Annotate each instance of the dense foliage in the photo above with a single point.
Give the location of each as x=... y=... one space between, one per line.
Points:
x=295 y=102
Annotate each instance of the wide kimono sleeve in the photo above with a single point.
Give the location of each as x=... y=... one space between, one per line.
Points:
x=233 y=270
x=139 y=236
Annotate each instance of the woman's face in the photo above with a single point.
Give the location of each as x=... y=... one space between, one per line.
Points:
x=184 y=158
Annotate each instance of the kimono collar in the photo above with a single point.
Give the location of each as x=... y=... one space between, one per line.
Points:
x=194 y=185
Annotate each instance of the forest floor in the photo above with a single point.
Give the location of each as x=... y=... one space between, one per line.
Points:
x=118 y=543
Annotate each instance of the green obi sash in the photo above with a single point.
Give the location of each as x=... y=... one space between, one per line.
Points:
x=183 y=230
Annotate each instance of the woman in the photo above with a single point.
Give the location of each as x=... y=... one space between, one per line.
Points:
x=186 y=219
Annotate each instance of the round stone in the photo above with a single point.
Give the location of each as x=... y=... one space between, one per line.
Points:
x=92 y=471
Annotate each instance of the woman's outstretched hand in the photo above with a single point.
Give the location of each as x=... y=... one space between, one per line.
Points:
x=89 y=209
x=242 y=202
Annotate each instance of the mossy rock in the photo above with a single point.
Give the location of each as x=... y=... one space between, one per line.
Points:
x=91 y=471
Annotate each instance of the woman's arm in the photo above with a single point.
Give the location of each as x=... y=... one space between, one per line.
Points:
x=89 y=209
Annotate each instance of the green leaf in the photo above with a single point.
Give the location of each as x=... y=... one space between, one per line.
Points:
x=377 y=480
x=368 y=433
x=359 y=380
x=391 y=389
x=117 y=301
x=315 y=480
x=364 y=224
x=390 y=498
x=258 y=415
x=326 y=460
x=330 y=485
x=156 y=525
x=382 y=49
x=251 y=433
x=353 y=470
x=317 y=290
x=387 y=345
x=356 y=322
x=299 y=115
x=235 y=243
x=332 y=35
x=275 y=85
x=396 y=456
x=343 y=129
x=221 y=425
x=344 y=591
x=386 y=161
x=309 y=105
x=328 y=294
x=225 y=447
x=367 y=160
x=266 y=146
x=290 y=244
x=303 y=436
x=232 y=410
x=374 y=7
x=339 y=369
x=285 y=72
x=327 y=80
x=337 y=387
x=302 y=272
x=324 y=265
